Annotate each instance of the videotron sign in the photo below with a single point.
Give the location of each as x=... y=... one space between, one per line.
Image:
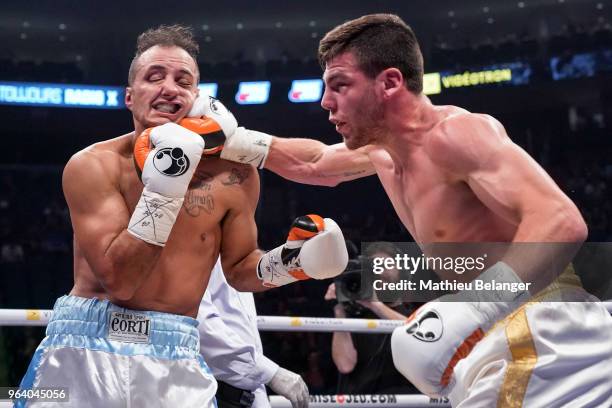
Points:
x=514 y=73
x=61 y=95
x=470 y=78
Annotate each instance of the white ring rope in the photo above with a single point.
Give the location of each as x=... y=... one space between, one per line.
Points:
x=36 y=317
x=40 y=317
x=379 y=401
x=326 y=324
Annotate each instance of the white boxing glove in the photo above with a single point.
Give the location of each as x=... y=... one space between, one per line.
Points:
x=167 y=156
x=241 y=145
x=443 y=332
x=315 y=248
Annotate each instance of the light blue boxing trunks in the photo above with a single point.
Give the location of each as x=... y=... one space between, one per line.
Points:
x=107 y=356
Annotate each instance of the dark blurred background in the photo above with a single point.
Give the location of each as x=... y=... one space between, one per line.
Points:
x=558 y=107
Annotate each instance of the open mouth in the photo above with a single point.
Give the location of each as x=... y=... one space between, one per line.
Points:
x=167 y=107
x=337 y=123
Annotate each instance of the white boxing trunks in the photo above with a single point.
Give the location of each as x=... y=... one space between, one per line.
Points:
x=555 y=351
x=107 y=356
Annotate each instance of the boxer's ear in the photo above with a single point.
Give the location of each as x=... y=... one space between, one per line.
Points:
x=128 y=97
x=392 y=81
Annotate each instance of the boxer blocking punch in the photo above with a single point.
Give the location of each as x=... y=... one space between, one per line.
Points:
x=167 y=157
x=315 y=246
x=145 y=245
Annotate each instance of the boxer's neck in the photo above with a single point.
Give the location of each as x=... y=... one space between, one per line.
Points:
x=408 y=122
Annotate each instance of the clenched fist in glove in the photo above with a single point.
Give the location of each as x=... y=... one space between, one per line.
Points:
x=315 y=248
x=241 y=145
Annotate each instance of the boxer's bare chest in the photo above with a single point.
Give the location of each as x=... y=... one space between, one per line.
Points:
x=432 y=205
x=181 y=274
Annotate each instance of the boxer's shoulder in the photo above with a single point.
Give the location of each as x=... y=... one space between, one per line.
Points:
x=237 y=174
x=101 y=160
x=462 y=139
x=227 y=173
x=459 y=124
x=110 y=150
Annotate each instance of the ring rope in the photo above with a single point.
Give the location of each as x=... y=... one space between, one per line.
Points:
x=40 y=317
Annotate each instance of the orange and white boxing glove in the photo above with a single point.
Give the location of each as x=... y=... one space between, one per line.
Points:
x=315 y=248
x=241 y=145
x=166 y=157
x=443 y=332
x=210 y=130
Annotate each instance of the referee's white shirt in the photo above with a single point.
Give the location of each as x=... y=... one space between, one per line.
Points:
x=229 y=339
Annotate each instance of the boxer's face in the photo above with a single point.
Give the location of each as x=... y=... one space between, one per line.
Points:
x=353 y=104
x=164 y=86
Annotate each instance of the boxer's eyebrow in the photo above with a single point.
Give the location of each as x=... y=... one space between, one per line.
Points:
x=334 y=77
x=186 y=72
x=152 y=69
x=158 y=67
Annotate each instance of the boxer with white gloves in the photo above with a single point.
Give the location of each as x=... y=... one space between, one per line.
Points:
x=456 y=176
x=150 y=220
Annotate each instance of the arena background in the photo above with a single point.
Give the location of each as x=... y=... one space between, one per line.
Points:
x=558 y=106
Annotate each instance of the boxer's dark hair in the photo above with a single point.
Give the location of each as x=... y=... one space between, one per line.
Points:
x=378 y=41
x=165 y=35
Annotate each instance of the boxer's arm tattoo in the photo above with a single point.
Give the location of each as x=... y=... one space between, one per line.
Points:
x=197 y=201
x=353 y=173
x=198 y=197
x=201 y=180
x=345 y=174
x=237 y=176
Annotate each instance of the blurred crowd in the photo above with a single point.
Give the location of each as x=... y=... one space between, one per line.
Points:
x=453 y=50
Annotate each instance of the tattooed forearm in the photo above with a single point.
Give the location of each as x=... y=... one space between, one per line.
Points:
x=237 y=176
x=345 y=174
